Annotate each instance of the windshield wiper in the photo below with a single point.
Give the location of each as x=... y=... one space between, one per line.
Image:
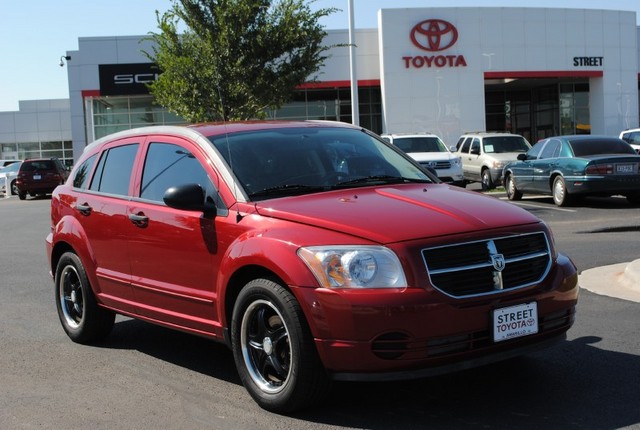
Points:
x=288 y=189
x=380 y=179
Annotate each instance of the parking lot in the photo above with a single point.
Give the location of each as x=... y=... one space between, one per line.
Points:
x=146 y=377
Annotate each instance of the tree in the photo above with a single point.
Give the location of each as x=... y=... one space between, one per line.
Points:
x=237 y=58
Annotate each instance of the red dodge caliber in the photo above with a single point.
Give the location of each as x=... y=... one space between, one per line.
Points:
x=315 y=250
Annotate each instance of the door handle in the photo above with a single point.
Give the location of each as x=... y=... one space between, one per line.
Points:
x=139 y=219
x=84 y=209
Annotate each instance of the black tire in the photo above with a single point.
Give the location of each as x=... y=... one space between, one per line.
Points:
x=487 y=182
x=21 y=195
x=274 y=351
x=81 y=317
x=14 y=188
x=510 y=187
x=559 y=191
x=633 y=199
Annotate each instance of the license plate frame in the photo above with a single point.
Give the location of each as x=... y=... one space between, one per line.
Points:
x=515 y=321
x=37 y=177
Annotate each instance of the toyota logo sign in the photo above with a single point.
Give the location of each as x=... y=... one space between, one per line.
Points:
x=434 y=35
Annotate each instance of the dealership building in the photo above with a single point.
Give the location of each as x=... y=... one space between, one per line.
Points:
x=532 y=71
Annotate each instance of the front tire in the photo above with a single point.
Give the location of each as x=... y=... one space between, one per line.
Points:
x=273 y=349
x=81 y=317
x=510 y=187
x=487 y=182
x=561 y=196
x=14 y=188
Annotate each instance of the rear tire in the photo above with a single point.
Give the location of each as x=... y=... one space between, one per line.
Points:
x=273 y=349
x=81 y=317
x=22 y=195
x=561 y=196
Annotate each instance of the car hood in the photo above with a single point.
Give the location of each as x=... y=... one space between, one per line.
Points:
x=397 y=213
x=431 y=156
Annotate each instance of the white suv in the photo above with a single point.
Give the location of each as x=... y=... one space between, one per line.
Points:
x=429 y=150
x=484 y=154
x=632 y=137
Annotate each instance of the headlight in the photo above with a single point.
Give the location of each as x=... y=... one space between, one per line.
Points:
x=456 y=161
x=498 y=164
x=343 y=266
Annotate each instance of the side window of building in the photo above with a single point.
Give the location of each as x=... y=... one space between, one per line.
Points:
x=168 y=165
x=113 y=172
x=81 y=178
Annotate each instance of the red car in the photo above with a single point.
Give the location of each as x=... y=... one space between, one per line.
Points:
x=315 y=250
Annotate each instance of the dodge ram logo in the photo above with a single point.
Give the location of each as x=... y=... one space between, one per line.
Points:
x=434 y=35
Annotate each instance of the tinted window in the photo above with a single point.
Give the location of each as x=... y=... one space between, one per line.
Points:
x=114 y=170
x=80 y=180
x=475 y=145
x=465 y=145
x=32 y=166
x=583 y=148
x=551 y=150
x=420 y=144
x=168 y=165
x=535 y=151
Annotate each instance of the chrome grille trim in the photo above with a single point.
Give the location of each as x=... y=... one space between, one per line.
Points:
x=447 y=264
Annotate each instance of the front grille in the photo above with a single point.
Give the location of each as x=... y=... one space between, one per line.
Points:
x=437 y=164
x=488 y=266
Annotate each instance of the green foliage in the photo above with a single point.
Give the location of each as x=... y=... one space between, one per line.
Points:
x=237 y=58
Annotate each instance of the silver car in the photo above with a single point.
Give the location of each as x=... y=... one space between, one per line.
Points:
x=484 y=155
x=8 y=177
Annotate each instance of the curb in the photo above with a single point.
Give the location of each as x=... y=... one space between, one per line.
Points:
x=618 y=280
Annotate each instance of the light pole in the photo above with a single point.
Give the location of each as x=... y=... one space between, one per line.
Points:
x=355 y=111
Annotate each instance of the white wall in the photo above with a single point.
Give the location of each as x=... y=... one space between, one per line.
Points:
x=450 y=100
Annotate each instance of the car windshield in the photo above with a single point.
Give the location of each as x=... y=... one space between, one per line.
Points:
x=292 y=161
x=501 y=144
x=582 y=148
x=420 y=144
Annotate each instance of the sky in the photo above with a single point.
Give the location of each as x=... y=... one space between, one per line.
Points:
x=35 y=34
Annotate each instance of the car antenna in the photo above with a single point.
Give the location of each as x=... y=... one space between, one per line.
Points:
x=226 y=139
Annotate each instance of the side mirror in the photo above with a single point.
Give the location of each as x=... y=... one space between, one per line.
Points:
x=189 y=197
x=522 y=157
x=453 y=148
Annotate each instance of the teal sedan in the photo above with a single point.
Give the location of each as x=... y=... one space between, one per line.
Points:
x=568 y=167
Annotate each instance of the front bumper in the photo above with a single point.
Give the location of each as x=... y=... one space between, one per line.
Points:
x=399 y=334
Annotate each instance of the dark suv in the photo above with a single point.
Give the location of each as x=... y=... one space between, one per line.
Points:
x=40 y=176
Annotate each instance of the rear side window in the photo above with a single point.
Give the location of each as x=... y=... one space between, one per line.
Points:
x=114 y=170
x=81 y=178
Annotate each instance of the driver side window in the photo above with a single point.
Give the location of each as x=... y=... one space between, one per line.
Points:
x=167 y=165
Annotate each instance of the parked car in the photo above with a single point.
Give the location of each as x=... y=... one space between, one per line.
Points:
x=568 y=167
x=315 y=250
x=5 y=163
x=484 y=155
x=632 y=137
x=8 y=175
x=40 y=176
x=431 y=152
